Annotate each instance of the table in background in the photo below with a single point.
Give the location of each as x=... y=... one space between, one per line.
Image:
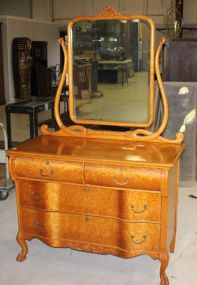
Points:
x=31 y=106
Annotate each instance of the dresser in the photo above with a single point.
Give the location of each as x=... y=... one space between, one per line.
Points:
x=99 y=196
x=101 y=190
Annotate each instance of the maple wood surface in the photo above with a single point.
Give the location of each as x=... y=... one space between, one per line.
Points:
x=102 y=150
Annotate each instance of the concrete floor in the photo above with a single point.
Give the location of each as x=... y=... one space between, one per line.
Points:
x=54 y=266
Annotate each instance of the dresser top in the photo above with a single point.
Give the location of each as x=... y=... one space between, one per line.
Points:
x=85 y=149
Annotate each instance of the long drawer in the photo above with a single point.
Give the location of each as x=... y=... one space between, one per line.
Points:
x=93 y=200
x=94 y=230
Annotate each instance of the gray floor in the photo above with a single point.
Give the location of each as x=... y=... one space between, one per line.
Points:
x=54 y=266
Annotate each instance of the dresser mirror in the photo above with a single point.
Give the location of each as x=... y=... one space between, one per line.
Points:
x=111 y=70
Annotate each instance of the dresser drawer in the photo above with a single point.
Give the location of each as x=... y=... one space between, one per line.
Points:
x=93 y=230
x=122 y=176
x=93 y=200
x=49 y=170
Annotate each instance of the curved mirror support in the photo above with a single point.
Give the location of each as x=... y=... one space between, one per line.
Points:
x=111 y=70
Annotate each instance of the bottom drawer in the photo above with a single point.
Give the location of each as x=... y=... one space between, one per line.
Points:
x=93 y=230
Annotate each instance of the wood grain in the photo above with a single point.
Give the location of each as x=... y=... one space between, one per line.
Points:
x=132 y=205
x=89 y=229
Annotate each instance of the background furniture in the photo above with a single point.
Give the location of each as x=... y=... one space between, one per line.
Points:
x=180 y=60
x=115 y=71
x=2 y=93
x=32 y=107
x=40 y=74
x=22 y=61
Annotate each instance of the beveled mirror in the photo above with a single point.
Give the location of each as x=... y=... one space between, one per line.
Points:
x=111 y=70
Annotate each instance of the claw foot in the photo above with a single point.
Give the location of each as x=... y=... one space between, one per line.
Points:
x=22 y=255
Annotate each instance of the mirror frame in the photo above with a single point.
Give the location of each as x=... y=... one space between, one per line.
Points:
x=137 y=134
x=110 y=14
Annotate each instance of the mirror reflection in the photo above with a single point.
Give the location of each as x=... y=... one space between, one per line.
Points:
x=111 y=71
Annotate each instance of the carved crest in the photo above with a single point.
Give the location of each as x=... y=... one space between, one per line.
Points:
x=109 y=11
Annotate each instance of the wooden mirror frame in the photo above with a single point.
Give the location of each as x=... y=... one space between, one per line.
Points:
x=111 y=14
x=132 y=135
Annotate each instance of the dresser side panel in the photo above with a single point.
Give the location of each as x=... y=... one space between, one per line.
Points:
x=172 y=202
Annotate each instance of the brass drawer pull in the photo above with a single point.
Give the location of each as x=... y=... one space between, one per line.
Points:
x=140 y=211
x=120 y=183
x=37 y=196
x=46 y=171
x=116 y=179
x=138 y=242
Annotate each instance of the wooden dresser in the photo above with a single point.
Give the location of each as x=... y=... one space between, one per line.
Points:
x=100 y=190
x=100 y=196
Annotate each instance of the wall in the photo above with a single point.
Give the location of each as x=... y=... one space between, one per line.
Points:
x=63 y=9
x=35 y=30
x=41 y=10
x=20 y=8
x=66 y=9
x=190 y=12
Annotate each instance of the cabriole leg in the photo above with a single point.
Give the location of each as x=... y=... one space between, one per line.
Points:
x=172 y=245
x=22 y=255
x=164 y=258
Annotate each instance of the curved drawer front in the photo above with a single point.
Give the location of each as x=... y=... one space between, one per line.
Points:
x=87 y=229
x=49 y=170
x=122 y=176
x=86 y=199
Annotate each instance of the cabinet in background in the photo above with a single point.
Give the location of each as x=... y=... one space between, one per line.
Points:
x=180 y=60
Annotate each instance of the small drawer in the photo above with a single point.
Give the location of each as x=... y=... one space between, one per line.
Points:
x=93 y=200
x=123 y=176
x=93 y=230
x=49 y=170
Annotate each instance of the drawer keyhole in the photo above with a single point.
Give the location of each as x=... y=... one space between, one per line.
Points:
x=85 y=189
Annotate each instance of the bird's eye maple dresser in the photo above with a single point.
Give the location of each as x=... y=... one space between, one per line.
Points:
x=105 y=192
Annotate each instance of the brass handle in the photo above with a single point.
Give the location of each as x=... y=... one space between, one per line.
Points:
x=37 y=196
x=120 y=183
x=138 y=242
x=117 y=179
x=46 y=171
x=43 y=172
x=140 y=211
